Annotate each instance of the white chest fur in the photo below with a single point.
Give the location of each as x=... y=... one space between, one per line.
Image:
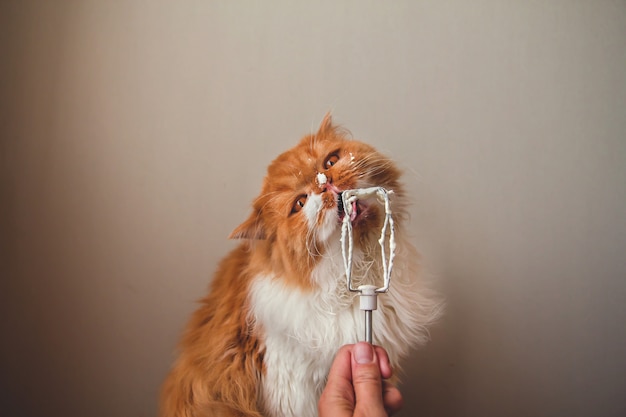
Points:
x=304 y=330
x=302 y=335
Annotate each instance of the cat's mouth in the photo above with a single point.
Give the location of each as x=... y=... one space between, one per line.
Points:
x=357 y=208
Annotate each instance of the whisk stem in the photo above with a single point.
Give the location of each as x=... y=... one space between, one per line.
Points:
x=368 y=326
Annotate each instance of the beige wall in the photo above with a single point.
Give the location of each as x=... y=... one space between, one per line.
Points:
x=135 y=134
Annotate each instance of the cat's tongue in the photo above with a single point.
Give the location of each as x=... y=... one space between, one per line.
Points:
x=355 y=211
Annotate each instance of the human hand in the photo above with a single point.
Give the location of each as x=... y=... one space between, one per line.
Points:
x=356 y=384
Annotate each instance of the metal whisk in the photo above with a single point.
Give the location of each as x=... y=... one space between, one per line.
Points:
x=368 y=294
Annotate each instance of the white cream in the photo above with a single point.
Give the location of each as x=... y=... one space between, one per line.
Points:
x=349 y=203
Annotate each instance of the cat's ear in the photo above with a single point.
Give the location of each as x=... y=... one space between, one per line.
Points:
x=252 y=228
x=326 y=125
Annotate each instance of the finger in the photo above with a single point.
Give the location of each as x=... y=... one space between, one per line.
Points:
x=337 y=399
x=392 y=398
x=341 y=368
x=386 y=369
x=366 y=380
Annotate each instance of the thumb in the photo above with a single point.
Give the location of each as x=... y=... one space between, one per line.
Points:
x=367 y=381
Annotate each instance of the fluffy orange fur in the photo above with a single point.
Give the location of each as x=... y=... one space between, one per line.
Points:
x=221 y=357
x=221 y=362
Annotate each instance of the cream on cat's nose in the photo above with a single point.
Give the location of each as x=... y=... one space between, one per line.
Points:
x=321 y=179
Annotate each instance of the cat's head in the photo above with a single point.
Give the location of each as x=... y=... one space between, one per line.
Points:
x=299 y=211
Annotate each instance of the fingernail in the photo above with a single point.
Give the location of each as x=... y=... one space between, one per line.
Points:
x=363 y=353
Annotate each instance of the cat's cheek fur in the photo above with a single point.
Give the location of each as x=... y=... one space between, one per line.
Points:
x=321 y=216
x=328 y=225
x=312 y=209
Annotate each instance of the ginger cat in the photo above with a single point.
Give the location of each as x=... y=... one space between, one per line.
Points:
x=263 y=339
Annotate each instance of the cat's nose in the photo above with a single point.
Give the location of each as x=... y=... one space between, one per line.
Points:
x=326 y=183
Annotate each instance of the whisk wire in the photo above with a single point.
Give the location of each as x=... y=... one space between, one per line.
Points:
x=368 y=293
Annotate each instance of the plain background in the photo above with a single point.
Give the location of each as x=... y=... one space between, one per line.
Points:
x=135 y=134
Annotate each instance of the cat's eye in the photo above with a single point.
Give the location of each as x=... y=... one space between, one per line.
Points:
x=331 y=160
x=298 y=204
